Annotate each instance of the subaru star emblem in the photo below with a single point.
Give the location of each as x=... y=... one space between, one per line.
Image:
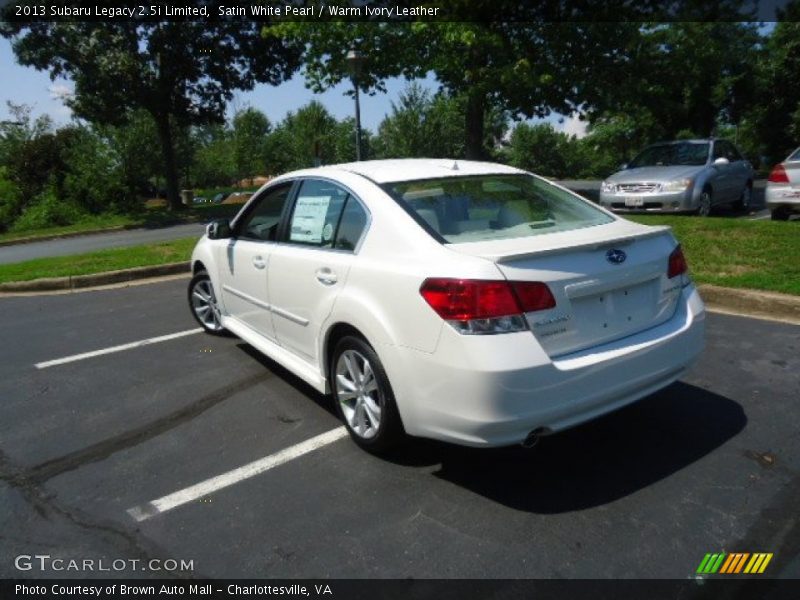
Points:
x=615 y=256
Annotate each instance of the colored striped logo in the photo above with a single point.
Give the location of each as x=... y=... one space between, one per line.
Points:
x=734 y=563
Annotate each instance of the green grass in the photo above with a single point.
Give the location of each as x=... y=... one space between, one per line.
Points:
x=100 y=261
x=762 y=255
x=150 y=217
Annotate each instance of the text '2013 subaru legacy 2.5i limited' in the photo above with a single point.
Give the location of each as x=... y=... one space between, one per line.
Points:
x=463 y=301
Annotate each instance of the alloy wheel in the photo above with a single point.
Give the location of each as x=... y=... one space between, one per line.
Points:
x=358 y=394
x=205 y=307
x=704 y=207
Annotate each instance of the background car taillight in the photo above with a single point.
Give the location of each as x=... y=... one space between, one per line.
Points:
x=778 y=175
x=474 y=306
x=678 y=265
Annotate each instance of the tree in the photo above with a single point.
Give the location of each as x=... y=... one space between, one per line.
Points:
x=526 y=67
x=681 y=76
x=426 y=125
x=181 y=73
x=312 y=136
x=777 y=117
x=543 y=150
x=250 y=130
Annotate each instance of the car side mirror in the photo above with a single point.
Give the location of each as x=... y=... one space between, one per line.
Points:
x=722 y=161
x=219 y=229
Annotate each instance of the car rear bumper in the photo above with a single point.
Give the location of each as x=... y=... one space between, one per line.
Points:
x=778 y=196
x=494 y=390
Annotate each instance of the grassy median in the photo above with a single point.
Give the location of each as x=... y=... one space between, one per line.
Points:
x=150 y=217
x=100 y=261
x=762 y=255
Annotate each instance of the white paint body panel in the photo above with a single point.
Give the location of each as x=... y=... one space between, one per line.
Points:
x=482 y=390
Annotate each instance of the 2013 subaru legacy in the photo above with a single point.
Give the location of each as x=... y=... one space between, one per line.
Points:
x=683 y=176
x=463 y=301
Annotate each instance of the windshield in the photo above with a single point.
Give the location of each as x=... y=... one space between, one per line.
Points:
x=666 y=155
x=795 y=155
x=493 y=207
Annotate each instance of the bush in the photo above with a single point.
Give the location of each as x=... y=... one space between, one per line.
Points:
x=10 y=199
x=48 y=211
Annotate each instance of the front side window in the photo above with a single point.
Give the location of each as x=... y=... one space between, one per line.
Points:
x=494 y=207
x=262 y=220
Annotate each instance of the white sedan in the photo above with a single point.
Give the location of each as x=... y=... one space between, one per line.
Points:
x=463 y=301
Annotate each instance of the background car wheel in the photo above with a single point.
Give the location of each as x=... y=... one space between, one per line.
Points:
x=744 y=201
x=780 y=214
x=203 y=302
x=363 y=396
x=704 y=205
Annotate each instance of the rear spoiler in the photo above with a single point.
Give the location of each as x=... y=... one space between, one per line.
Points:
x=652 y=231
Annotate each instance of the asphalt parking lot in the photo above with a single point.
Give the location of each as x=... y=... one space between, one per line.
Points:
x=711 y=464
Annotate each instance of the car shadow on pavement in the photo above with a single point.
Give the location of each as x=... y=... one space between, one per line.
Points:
x=290 y=378
x=596 y=463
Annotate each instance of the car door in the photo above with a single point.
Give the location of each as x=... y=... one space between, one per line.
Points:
x=244 y=269
x=309 y=268
x=723 y=180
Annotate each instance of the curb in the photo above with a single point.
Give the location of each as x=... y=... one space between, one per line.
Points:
x=49 y=284
x=752 y=302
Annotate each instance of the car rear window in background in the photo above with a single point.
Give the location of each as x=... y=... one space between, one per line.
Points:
x=494 y=207
x=795 y=155
x=664 y=155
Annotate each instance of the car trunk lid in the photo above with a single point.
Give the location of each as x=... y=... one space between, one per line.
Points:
x=609 y=281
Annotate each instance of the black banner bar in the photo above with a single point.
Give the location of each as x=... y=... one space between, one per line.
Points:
x=736 y=587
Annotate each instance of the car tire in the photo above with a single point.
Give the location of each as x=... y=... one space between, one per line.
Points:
x=704 y=204
x=363 y=396
x=780 y=214
x=203 y=304
x=746 y=199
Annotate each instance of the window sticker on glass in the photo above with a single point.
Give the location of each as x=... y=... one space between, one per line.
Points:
x=309 y=219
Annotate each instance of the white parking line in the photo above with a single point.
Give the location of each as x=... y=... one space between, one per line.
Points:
x=112 y=349
x=199 y=490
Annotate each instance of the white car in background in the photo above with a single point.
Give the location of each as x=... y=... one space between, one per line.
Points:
x=463 y=301
x=783 y=188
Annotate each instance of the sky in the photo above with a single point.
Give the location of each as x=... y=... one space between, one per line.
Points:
x=25 y=85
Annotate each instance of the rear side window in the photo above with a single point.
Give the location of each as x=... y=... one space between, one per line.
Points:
x=325 y=215
x=351 y=226
x=494 y=207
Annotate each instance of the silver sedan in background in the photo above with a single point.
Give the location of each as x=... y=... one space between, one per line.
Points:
x=681 y=176
x=783 y=188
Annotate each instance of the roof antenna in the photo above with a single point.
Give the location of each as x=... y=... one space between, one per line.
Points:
x=455 y=165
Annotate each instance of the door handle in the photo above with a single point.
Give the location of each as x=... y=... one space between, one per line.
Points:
x=326 y=277
x=258 y=262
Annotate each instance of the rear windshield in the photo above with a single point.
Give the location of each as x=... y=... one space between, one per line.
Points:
x=493 y=207
x=795 y=155
x=665 y=155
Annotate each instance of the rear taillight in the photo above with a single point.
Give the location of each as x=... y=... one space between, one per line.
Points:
x=778 y=175
x=677 y=263
x=477 y=306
